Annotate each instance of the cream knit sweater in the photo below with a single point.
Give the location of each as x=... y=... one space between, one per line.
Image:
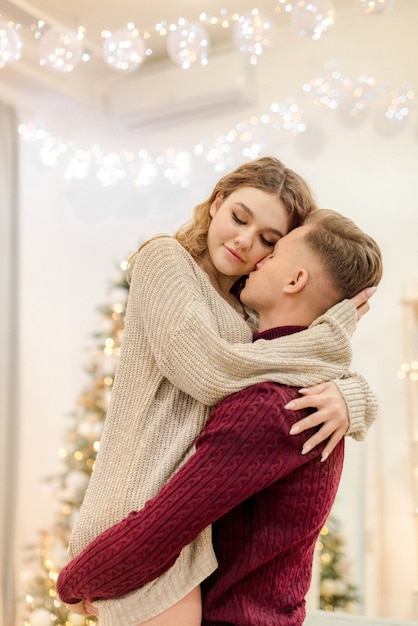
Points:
x=183 y=350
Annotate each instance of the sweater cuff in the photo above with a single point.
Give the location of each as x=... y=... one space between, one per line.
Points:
x=361 y=405
x=344 y=313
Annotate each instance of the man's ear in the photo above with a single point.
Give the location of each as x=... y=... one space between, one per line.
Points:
x=216 y=204
x=297 y=281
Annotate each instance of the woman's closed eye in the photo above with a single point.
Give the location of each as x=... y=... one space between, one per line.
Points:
x=267 y=242
x=237 y=219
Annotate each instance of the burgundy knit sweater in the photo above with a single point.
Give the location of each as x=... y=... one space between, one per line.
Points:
x=270 y=503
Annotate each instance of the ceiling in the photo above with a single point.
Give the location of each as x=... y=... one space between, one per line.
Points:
x=90 y=82
x=94 y=86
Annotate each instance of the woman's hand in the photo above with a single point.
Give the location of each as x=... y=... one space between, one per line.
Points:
x=331 y=412
x=83 y=608
x=361 y=301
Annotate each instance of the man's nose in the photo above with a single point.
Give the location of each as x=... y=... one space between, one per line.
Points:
x=261 y=263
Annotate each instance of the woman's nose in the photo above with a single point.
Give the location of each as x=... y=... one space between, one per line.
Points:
x=243 y=241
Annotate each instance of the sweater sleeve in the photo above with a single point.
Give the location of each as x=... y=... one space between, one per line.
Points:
x=184 y=337
x=243 y=448
x=361 y=403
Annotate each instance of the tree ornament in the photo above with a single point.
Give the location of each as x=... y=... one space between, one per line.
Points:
x=188 y=44
x=40 y=617
x=76 y=620
x=77 y=481
x=60 y=49
x=10 y=44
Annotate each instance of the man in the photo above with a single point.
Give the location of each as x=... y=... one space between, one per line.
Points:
x=267 y=501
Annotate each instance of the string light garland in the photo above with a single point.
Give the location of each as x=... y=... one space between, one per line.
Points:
x=353 y=97
x=187 y=41
x=10 y=44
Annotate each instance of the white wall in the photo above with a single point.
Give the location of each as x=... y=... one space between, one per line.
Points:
x=73 y=234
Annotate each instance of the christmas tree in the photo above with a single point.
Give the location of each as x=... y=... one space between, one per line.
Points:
x=78 y=454
x=336 y=590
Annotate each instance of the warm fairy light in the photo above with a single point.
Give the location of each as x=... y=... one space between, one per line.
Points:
x=63 y=453
x=408 y=370
x=78 y=455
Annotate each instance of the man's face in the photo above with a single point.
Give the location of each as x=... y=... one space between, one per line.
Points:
x=264 y=286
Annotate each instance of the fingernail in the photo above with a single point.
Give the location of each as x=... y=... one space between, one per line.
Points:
x=294 y=430
x=303 y=390
x=306 y=449
x=371 y=290
x=324 y=456
x=289 y=405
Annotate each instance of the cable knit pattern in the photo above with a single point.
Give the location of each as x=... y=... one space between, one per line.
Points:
x=184 y=349
x=274 y=502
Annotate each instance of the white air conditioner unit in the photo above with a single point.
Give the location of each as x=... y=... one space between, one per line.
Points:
x=170 y=96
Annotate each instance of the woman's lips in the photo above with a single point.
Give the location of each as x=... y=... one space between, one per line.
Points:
x=234 y=255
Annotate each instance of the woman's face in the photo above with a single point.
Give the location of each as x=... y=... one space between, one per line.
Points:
x=244 y=229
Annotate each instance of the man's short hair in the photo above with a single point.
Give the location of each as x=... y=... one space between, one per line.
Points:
x=352 y=258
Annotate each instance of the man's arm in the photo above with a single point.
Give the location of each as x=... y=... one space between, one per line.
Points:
x=243 y=448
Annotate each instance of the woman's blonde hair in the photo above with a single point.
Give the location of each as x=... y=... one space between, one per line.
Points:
x=267 y=174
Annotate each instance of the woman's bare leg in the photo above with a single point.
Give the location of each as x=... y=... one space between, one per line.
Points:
x=187 y=612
